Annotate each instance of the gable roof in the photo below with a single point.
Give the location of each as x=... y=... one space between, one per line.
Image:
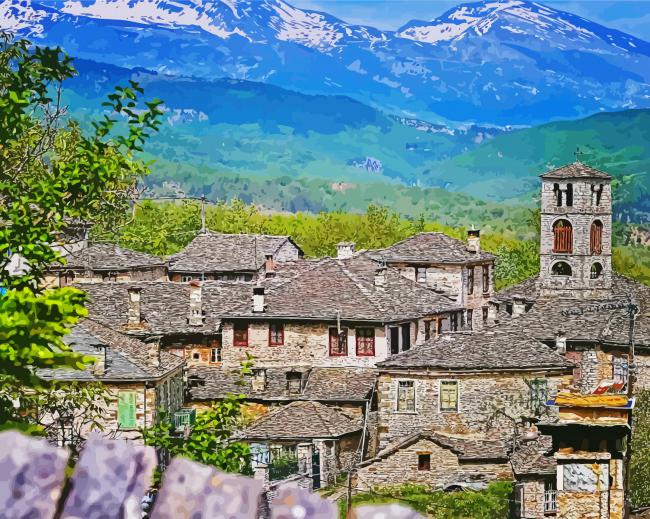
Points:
x=217 y=252
x=164 y=305
x=126 y=357
x=108 y=256
x=499 y=347
x=345 y=289
x=576 y=170
x=302 y=420
x=430 y=247
x=534 y=457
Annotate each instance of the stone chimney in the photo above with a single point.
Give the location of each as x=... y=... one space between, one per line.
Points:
x=134 y=313
x=474 y=240
x=195 y=317
x=345 y=250
x=153 y=352
x=380 y=277
x=258 y=380
x=99 y=368
x=560 y=341
x=269 y=266
x=258 y=299
x=518 y=306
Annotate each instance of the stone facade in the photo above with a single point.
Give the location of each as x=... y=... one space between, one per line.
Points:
x=581 y=214
x=445 y=468
x=479 y=395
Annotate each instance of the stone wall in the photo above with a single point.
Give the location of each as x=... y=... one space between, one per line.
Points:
x=445 y=468
x=304 y=345
x=478 y=397
x=531 y=498
x=288 y=252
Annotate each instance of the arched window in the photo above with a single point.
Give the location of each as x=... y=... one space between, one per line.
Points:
x=596 y=237
x=596 y=271
x=561 y=268
x=562 y=236
x=557 y=193
x=569 y=195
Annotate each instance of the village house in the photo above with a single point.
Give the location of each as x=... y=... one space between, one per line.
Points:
x=105 y=262
x=231 y=257
x=141 y=380
x=461 y=270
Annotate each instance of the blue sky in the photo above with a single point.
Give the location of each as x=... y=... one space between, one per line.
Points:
x=629 y=16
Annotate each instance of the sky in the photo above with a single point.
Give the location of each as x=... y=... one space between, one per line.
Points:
x=630 y=16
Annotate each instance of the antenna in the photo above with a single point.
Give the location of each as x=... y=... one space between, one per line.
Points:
x=578 y=154
x=202 y=214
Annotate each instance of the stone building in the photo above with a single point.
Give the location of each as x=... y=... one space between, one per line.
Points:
x=458 y=269
x=106 y=262
x=231 y=257
x=535 y=471
x=439 y=461
x=142 y=380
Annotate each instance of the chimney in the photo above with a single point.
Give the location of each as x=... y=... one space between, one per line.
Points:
x=258 y=380
x=153 y=352
x=269 y=266
x=195 y=317
x=518 y=306
x=134 y=313
x=258 y=299
x=99 y=368
x=560 y=341
x=474 y=240
x=380 y=277
x=344 y=250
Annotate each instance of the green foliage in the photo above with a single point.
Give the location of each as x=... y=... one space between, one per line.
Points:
x=640 y=462
x=209 y=440
x=51 y=179
x=491 y=503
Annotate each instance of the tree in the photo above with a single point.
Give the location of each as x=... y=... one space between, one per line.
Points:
x=52 y=177
x=639 y=466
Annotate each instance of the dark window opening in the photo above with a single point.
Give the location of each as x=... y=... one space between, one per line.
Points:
x=562 y=237
x=110 y=276
x=66 y=278
x=453 y=326
x=196 y=355
x=557 y=193
x=406 y=337
x=240 y=334
x=486 y=278
x=596 y=237
x=470 y=280
x=276 y=334
x=365 y=339
x=294 y=383
x=394 y=340
x=596 y=271
x=427 y=330
x=470 y=318
x=561 y=268
x=338 y=342
x=424 y=461
x=569 y=195
x=485 y=312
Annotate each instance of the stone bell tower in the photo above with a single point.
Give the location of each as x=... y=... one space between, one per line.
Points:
x=576 y=233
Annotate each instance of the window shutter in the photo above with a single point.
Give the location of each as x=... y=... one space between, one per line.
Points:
x=126 y=402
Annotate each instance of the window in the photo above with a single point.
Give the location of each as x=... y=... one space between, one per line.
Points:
x=569 y=195
x=444 y=325
x=421 y=274
x=109 y=276
x=596 y=237
x=485 y=312
x=619 y=370
x=538 y=394
x=196 y=355
x=562 y=237
x=486 y=278
x=596 y=194
x=126 y=401
x=424 y=461
x=365 y=342
x=427 y=330
x=470 y=280
x=406 y=336
x=240 y=334
x=596 y=271
x=557 y=193
x=215 y=354
x=550 y=496
x=405 y=396
x=66 y=278
x=448 y=396
x=470 y=318
x=561 y=268
x=453 y=326
x=185 y=278
x=276 y=334
x=294 y=383
x=64 y=436
x=338 y=342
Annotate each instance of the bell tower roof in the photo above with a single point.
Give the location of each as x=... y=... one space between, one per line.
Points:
x=575 y=170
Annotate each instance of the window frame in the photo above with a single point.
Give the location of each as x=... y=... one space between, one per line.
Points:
x=596 y=237
x=418 y=271
x=470 y=280
x=562 y=244
x=240 y=328
x=359 y=339
x=469 y=324
x=397 y=396
x=427 y=330
x=218 y=356
x=134 y=395
x=334 y=332
x=279 y=333
x=486 y=279
x=447 y=381
x=424 y=461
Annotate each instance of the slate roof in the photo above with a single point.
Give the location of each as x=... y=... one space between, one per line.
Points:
x=164 y=305
x=302 y=420
x=498 y=347
x=108 y=256
x=216 y=252
x=345 y=289
x=466 y=448
x=430 y=247
x=319 y=384
x=576 y=170
x=126 y=357
x=534 y=457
